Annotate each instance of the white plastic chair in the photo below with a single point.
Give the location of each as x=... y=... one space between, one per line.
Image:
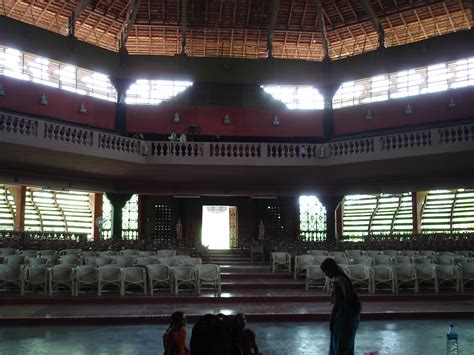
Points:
x=405 y=275
x=52 y=259
x=392 y=253
x=410 y=252
x=48 y=252
x=125 y=261
x=86 y=275
x=184 y=277
x=281 y=260
x=467 y=274
x=426 y=274
x=360 y=276
x=12 y=275
x=70 y=259
x=316 y=277
x=383 y=275
x=159 y=278
x=110 y=275
x=107 y=253
x=36 y=261
x=449 y=274
x=165 y=253
x=301 y=263
x=256 y=250
x=318 y=260
x=134 y=276
x=430 y=253
x=336 y=254
x=354 y=253
x=445 y=259
x=15 y=259
x=209 y=276
x=422 y=260
x=7 y=251
x=36 y=276
x=145 y=260
x=88 y=253
x=383 y=260
x=402 y=259
x=364 y=260
x=342 y=259
x=28 y=253
x=316 y=252
x=465 y=253
x=374 y=253
x=76 y=252
x=191 y=261
x=128 y=252
x=145 y=253
x=61 y=276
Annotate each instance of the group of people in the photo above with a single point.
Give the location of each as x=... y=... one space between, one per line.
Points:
x=227 y=335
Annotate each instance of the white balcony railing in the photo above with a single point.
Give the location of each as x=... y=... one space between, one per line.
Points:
x=22 y=130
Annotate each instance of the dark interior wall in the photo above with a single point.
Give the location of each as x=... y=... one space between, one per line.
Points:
x=250 y=212
x=430 y=108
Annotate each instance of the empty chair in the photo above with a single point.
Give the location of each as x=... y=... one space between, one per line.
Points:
x=383 y=275
x=425 y=274
x=316 y=252
x=444 y=259
x=145 y=260
x=170 y=261
x=426 y=252
x=403 y=260
x=7 y=251
x=15 y=259
x=28 y=253
x=209 y=277
x=128 y=252
x=89 y=260
x=354 y=253
x=364 y=260
x=301 y=262
x=36 y=261
x=184 y=277
x=110 y=276
x=159 y=278
x=61 y=276
x=86 y=276
x=405 y=275
x=336 y=254
x=458 y=259
x=36 y=276
x=342 y=260
x=317 y=260
x=145 y=253
x=466 y=253
x=383 y=260
x=392 y=253
x=449 y=274
x=134 y=276
x=374 y=253
x=11 y=276
x=191 y=261
x=281 y=260
x=70 y=259
x=446 y=253
x=43 y=253
x=316 y=277
x=422 y=260
x=466 y=274
x=360 y=276
x=107 y=253
x=256 y=250
x=52 y=259
x=69 y=252
x=165 y=253
x=88 y=253
x=125 y=261
x=410 y=252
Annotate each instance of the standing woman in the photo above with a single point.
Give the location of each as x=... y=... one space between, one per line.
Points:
x=345 y=315
x=174 y=339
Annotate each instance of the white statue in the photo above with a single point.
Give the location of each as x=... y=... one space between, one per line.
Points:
x=182 y=138
x=261 y=231
x=179 y=230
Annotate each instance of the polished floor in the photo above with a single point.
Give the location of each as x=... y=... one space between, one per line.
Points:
x=405 y=337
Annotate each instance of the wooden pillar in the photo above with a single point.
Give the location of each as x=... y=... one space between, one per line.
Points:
x=96 y=202
x=19 y=194
x=118 y=201
x=121 y=85
x=417 y=201
x=331 y=203
x=141 y=217
x=339 y=221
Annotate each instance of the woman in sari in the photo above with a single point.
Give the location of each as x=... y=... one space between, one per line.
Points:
x=345 y=314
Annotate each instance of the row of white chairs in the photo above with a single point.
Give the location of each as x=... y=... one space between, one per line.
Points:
x=121 y=260
x=351 y=253
x=163 y=253
x=150 y=278
x=302 y=261
x=392 y=277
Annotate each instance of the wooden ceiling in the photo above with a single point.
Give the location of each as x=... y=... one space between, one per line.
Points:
x=242 y=28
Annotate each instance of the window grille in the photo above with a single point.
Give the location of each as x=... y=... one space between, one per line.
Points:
x=312 y=219
x=163 y=228
x=303 y=97
x=274 y=222
x=423 y=80
x=44 y=71
x=153 y=92
x=129 y=218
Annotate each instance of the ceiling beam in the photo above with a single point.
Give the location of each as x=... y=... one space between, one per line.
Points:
x=322 y=26
x=184 y=20
x=129 y=21
x=75 y=15
x=271 y=28
x=375 y=22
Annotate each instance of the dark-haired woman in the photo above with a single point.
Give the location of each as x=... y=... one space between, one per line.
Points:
x=174 y=339
x=345 y=315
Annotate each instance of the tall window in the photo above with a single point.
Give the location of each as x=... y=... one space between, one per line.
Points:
x=7 y=209
x=273 y=219
x=312 y=219
x=153 y=92
x=129 y=218
x=163 y=229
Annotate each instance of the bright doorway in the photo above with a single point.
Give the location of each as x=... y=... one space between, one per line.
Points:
x=219 y=227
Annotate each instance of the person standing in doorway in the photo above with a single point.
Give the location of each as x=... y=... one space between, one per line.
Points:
x=345 y=314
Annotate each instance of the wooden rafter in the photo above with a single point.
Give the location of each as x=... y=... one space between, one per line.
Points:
x=375 y=22
x=129 y=21
x=322 y=27
x=75 y=15
x=271 y=27
x=184 y=20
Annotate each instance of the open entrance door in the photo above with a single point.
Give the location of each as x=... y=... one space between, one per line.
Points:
x=219 y=227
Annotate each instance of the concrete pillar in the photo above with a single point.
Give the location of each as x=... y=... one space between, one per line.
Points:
x=328 y=91
x=118 y=201
x=331 y=203
x=121 y=85
x=417 y=200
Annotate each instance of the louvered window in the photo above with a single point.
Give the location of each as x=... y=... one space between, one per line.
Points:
x=302 y=97
x=153 y=92
x=7 y=209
